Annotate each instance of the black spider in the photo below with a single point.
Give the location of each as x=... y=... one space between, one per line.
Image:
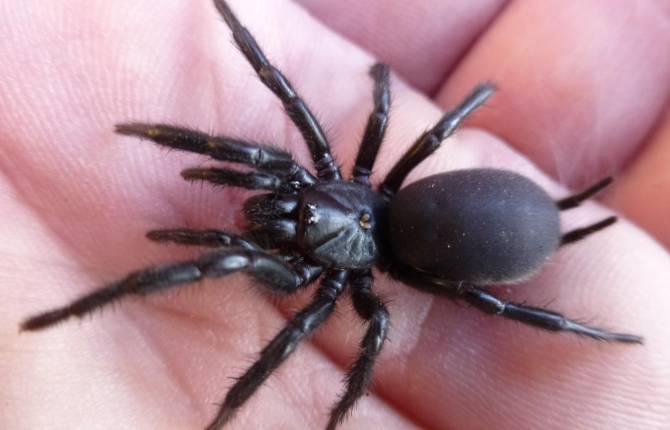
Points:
x=451 y=233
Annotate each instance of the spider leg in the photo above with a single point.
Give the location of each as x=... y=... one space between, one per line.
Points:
x=489 y=303
x=218 y=239
x=233 y=178
x=576 y=199
x=295 y=106
x=539 y=317
x=429 y=141
x=373 y=310
x=272 y=220
x=261 y=208
x=274 y=234
x=376 y=126
x=268 y=270
x=279 y=348
x=580 y=233
x=207 y=238
x=220 y=148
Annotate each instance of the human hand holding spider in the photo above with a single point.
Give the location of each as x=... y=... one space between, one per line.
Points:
x=163 y=358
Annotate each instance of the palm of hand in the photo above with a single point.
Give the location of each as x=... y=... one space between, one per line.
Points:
x=77 y=202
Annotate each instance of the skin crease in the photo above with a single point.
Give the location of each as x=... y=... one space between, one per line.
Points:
x=76 y=201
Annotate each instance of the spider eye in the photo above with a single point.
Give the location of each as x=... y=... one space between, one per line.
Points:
x=311 y=215
x=364 y=221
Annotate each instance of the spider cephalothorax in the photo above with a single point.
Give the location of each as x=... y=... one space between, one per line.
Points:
x=321 y=221
x=453 y=233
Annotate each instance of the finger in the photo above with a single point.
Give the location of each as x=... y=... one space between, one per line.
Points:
x=581 y=85
x=421 y=40
x=641 y=193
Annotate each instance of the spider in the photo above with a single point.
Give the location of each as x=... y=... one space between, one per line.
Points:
x=451 y=234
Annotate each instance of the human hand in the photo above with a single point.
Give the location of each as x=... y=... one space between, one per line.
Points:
x=78 y=199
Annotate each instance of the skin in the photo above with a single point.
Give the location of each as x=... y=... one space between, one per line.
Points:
x=583 y=94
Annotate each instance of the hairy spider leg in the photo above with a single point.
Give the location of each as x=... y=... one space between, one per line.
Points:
x=372 y=310
x=539 y=317
x=580 y=233
x=429 y=141
x=295 y=107
x=217 y=239
x=209 y=238
x=221 y=148
x=281 y=347
x=489 y=303
x=260 y=208
x=248 y=180
x=574 y=201
x=270 y=271
x=376 y=125
x=577 y=199
x=274 y=234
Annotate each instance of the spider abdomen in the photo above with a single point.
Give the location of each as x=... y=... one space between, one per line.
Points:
x=481 y=225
